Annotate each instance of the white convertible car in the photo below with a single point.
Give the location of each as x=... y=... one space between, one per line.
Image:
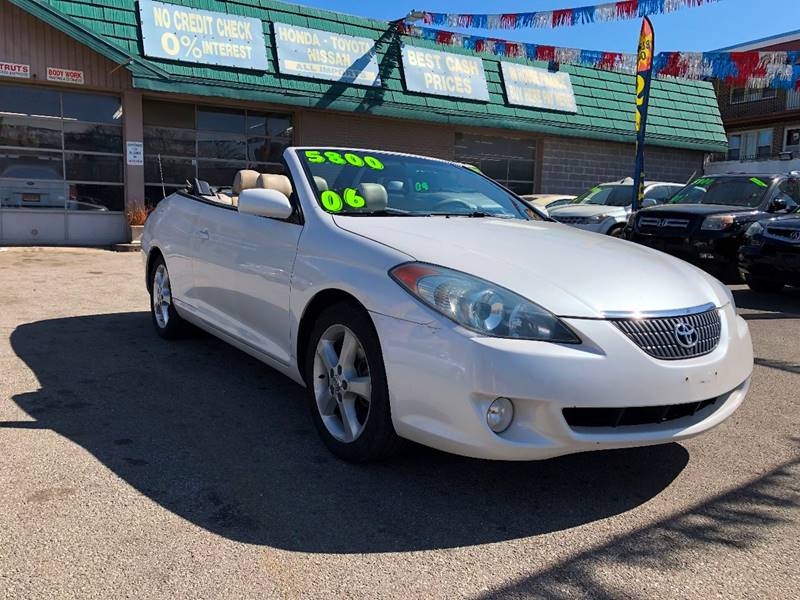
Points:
x=416 y=299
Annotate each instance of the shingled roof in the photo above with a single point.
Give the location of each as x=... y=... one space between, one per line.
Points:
x=683 y=114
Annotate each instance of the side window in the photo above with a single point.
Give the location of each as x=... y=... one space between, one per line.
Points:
x=790 y=191
x=659 y=193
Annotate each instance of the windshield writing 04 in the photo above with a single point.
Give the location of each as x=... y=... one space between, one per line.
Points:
x=747 y=192
x=375 y=183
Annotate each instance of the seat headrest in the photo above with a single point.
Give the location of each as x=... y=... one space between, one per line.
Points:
x=244 y=180
x=280 y=183
x=322 y=185
x=374 y=195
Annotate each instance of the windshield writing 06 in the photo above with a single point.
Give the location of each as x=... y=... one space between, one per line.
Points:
x=746 y=192
x=360 y=183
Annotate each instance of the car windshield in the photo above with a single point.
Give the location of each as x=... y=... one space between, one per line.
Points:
x=608 y=195
x=362 y=183
x=728 y=191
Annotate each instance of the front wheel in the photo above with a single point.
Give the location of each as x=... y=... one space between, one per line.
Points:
x=767 y=286
x=166 y=319
x=618 y=231
x=347 y=390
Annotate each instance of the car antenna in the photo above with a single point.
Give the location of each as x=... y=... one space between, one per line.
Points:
x=161 y=174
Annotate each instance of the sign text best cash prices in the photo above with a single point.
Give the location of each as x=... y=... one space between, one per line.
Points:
x=444 y=74
x=326 y=55
x=192 y=35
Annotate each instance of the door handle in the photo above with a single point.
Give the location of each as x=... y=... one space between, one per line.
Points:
x=203 y=234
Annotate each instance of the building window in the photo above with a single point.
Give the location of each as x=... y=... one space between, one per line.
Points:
x=508 y=161
x=60 y=150
x=740 y=95
x=184 y=141
x=791 y=140
x=750 y=145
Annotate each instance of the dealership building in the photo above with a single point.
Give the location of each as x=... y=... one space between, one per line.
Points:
x=110 y=104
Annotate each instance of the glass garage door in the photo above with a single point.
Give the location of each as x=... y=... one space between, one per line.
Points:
x=508 y=161
x=183 y=141
x=60 y=155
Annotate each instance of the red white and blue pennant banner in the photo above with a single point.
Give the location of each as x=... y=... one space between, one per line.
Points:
x=739 y=69
x=567 y=17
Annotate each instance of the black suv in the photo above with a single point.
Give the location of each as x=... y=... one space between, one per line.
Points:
x=770 y=255
x=705 y=222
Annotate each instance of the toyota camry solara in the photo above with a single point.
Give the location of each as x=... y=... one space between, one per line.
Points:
x=416 y=299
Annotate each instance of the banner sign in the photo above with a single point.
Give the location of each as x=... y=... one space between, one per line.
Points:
x=65 y=75
x=15 y=70
x=561 y=17
x=325 y=55
x=780 y=69
x=444 y=74
x=539 y=88
x=205 y=37
x=644 y=75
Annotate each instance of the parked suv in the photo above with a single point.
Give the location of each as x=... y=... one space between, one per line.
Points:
x=705 y=222
x=605 y=208
x=769 y=258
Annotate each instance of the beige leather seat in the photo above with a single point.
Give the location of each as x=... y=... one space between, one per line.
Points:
x=245 y=179
x=375 y=196
x=321 y=183
x=269 y=181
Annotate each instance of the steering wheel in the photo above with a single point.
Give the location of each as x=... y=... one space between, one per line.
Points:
x=454 y=203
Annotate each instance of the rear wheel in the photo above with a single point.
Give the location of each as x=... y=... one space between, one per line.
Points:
x=347 y=391
x=166 y=319
x=767 y=286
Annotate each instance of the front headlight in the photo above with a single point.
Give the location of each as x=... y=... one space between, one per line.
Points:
x=718 y=222
x=597 y=219
x=480 y=305
x=754 y=230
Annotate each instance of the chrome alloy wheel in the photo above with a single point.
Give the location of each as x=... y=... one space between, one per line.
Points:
x=342 y=384
x=162 y=296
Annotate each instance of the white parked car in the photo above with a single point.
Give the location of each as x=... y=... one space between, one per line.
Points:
x=547 y=202
x=606 y=208
x=417 y=299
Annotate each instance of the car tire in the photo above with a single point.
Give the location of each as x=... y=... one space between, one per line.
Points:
x=166 y=320
x=347 y=392
x=617 y=231
x=766 y=286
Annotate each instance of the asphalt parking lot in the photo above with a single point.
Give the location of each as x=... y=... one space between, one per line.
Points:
x=135 y=467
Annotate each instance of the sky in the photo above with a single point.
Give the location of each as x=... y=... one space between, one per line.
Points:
x=704 y=28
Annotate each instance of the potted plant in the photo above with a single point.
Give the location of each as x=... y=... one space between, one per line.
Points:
x=136 y=218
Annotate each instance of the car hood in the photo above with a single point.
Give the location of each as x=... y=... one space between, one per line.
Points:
x=784 y=221
x=587 y=210
x=697 y=209
x=568 y=271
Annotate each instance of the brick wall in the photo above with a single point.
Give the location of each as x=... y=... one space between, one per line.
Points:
x=757 y=108
x=572 y=165
x=338 y=129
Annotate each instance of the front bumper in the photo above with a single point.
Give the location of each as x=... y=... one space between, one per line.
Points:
x=778 y=262
x=442 y=379
x=715 y=255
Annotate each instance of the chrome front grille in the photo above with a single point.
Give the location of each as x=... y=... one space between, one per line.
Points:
x=674 y=338
x=659 y=222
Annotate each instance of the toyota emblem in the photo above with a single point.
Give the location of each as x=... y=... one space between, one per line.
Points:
x=686 y=334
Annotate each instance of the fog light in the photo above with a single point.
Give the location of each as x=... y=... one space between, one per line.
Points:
x=500 y=415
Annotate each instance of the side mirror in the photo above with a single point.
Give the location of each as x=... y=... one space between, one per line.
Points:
x=777 y=204
x=649 y=202
x=265 y=203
